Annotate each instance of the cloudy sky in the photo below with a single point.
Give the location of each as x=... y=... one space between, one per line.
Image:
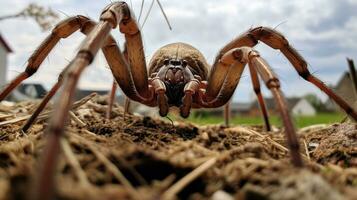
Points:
x=324 y=32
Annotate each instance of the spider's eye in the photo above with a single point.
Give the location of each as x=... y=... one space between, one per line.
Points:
x=184 y=63
x=166 y=61
x=175 y=62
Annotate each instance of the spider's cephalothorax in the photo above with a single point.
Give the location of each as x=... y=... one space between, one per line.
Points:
x=176 y=65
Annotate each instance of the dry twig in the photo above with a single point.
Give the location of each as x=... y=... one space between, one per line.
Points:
x=182 y=183
x=46 y=114
x=76 y=119
x=109 y=165
x=72 y=160
x=248 y=131
x=44 y=17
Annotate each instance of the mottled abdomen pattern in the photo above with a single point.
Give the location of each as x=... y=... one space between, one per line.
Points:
x=180 y=51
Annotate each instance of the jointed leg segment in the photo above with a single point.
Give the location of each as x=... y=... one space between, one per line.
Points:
x=273 y=84
x=62 y=30
x=99 y=37
x=123 y=73
x=276 y=40
x=111 y=99
x=258 y=92
x=237 y=58
x=228 y=67
x=43 y=104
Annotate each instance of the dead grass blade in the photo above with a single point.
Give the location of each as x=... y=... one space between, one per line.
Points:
x=73 y=162
x=109 y=165
x=252 y=132
x=46 y=114
x=182 y=183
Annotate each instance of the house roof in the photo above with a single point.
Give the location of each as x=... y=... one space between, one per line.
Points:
x=344 y=76
x=5 y=44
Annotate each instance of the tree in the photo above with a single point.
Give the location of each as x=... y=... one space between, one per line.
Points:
x=44 y=17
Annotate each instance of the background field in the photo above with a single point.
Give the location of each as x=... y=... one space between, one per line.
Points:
x=301 y=121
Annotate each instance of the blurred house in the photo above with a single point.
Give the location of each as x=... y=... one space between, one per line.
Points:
x=235 y=107
x=297 y=106
x=81 y=93
x=4 y=51
x=137 y=108
x=343 y=88
x=30 y=91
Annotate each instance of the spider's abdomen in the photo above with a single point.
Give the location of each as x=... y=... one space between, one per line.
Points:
x=180 y=51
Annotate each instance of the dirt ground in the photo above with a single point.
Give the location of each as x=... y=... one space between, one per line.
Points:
x=135 y=157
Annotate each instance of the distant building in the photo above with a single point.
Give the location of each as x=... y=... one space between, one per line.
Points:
x=296 y=106
x=27 y=91
x=136 y=107
x=30 y=91
x=302 y=107
x=4 y=51
x=343 y=88
x=81 y=93
x=235 y=107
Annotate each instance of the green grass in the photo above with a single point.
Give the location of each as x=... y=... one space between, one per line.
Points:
x=320 y=118
x=302 y=121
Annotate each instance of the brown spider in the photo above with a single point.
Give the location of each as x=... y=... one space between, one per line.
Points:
x=179 y=75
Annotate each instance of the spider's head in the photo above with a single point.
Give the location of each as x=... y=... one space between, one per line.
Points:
x=175 y=74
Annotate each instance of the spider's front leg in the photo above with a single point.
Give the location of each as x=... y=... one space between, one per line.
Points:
x=226 y=73
x=129 y=68
x=62 y=30
x=131 y=78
